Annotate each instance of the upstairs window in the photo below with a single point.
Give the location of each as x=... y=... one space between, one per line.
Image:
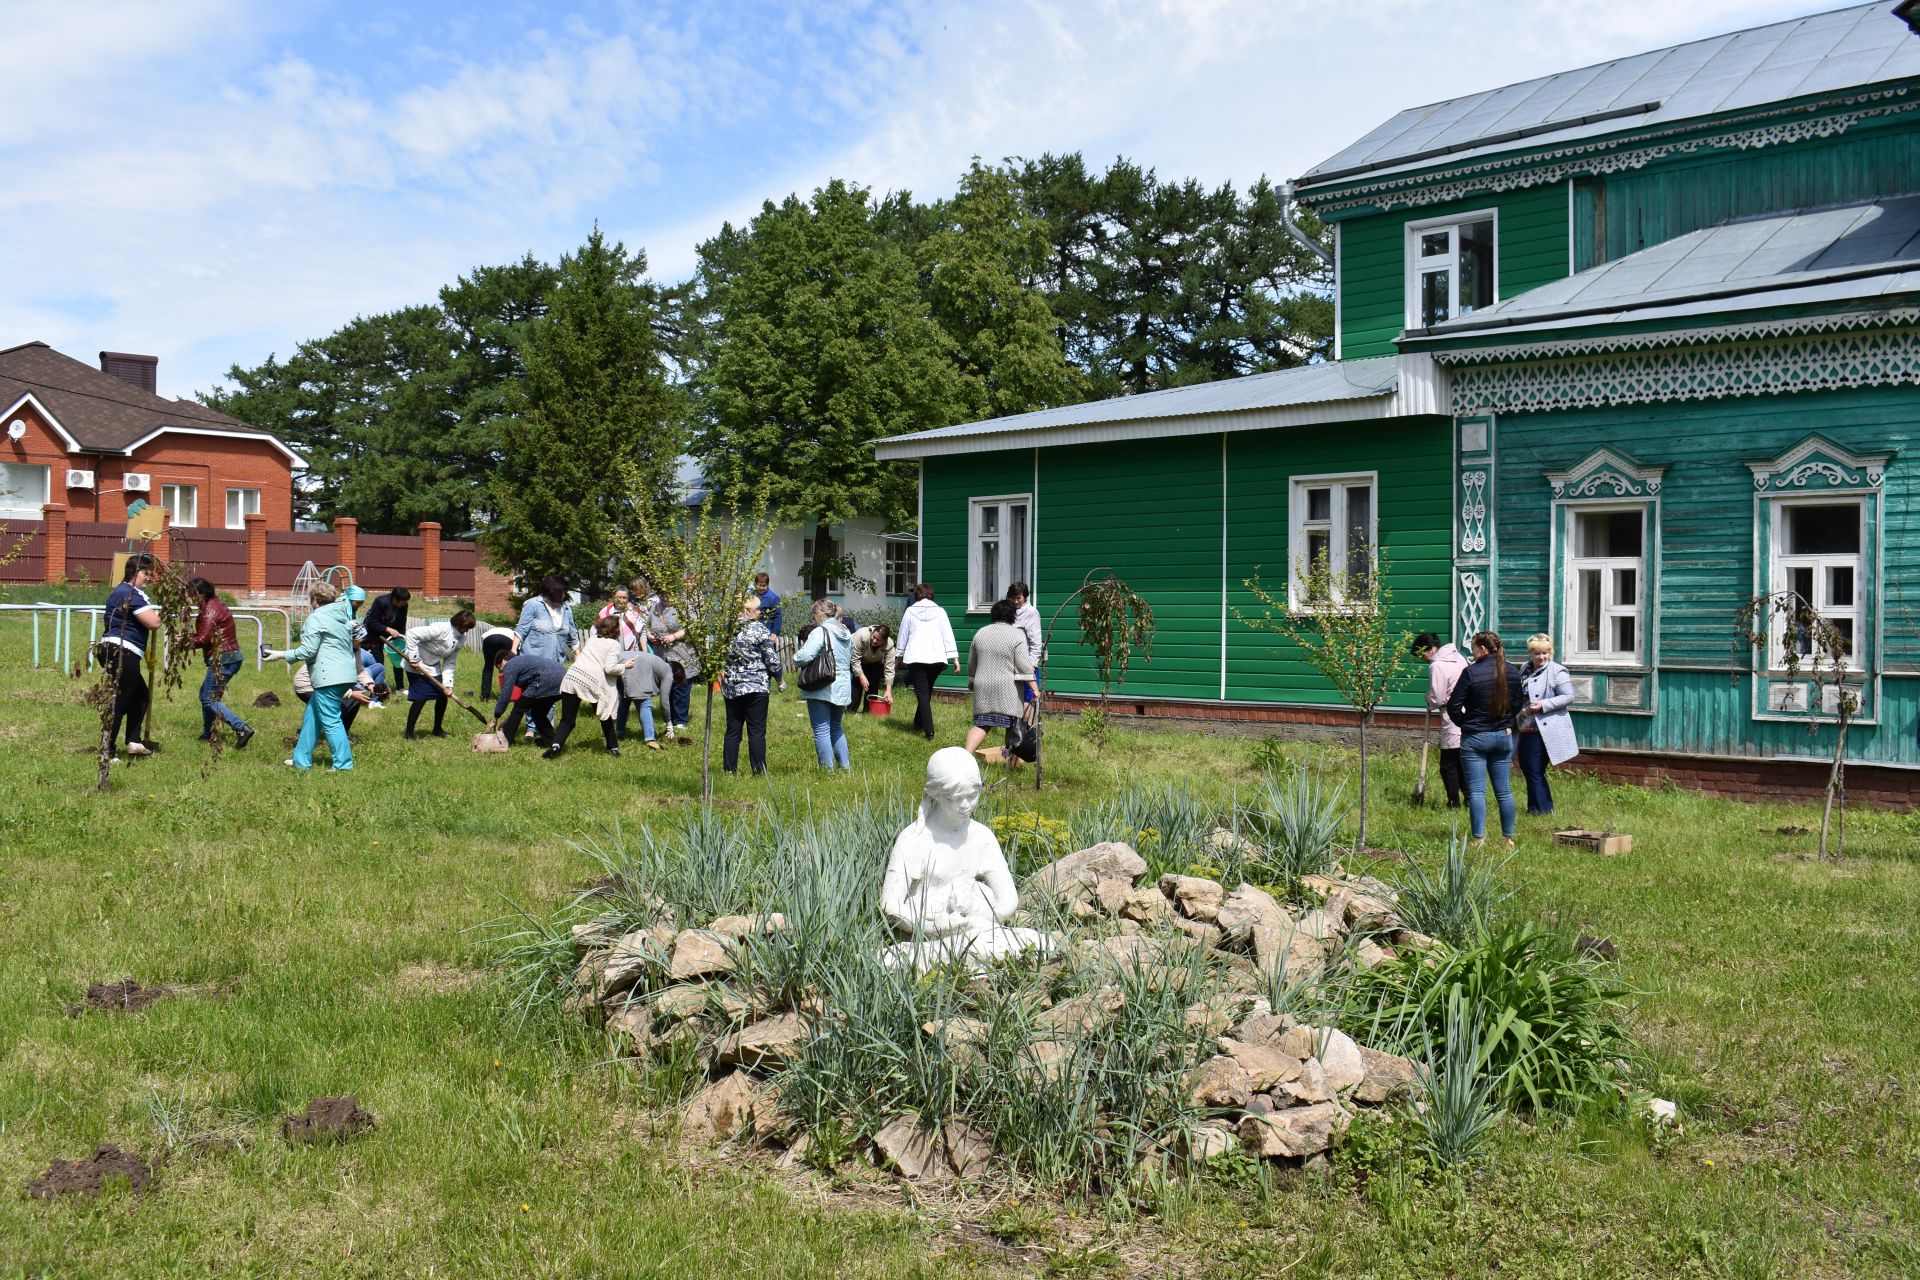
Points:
x=1606 y=581
x=1818 y=557
x=1332 y=522
x=1450 y=269
x=998 y=549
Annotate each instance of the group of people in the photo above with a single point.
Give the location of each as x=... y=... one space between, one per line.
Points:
x=548 y=668
x=1495 y=714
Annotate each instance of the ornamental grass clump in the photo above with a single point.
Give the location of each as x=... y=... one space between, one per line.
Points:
x=1296 y=824
x=1456 y=1096
x=1167 y=824
x=1457 y=901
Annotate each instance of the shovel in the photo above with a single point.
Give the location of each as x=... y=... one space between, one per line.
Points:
x=1426 y=740
x=451 y=695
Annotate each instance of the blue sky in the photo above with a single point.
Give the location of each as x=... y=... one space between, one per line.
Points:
x=212 y=181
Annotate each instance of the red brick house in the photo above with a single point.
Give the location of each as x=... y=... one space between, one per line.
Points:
x=97 y=439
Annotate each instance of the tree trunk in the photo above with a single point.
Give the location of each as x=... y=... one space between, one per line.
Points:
x=1360 y=843
x=706 y=747
x=817 y=562
x=1836 y=779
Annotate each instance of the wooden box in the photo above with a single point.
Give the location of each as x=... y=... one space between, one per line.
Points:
x=1604 y=843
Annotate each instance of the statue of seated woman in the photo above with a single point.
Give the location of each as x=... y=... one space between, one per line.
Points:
x=947 y=886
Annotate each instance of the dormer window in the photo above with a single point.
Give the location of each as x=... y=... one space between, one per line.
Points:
x=1450 y=268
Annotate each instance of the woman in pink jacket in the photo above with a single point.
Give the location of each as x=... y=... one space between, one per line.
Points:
x=1444 y=663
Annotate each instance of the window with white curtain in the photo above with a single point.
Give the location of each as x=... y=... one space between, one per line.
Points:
x=182 y=502
x=1605 y=586
x=1000 y=548
x=1818 y=555
x=241 y=503
x=1450 y=269
x=1331 y=519
x=23 y=490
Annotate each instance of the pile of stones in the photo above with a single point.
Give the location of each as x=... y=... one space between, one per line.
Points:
x=1275 y=1087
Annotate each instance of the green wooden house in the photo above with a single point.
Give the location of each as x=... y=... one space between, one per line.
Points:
x=1617 y=350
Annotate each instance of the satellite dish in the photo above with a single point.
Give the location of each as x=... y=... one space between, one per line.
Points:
x=17 y=429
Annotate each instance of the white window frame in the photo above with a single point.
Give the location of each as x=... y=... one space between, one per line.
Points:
x=1336 y=526
x=907 y=549
x=1418 y=266
x=1006 y=569
x=13 y=504
x=170 y=500
x=1572 y=649
x=246 y=508
x=836 y=548
x=1780 y=564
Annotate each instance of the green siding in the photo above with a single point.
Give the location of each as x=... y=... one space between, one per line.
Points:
x=1706 y=549
x=1413 y=457
x=1153 y=512
x=1617 y=214
x=1531 y=250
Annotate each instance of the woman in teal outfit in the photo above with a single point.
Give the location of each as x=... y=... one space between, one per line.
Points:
x=326 y=646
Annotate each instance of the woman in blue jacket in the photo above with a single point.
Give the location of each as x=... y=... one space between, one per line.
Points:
x=827 y=705
x=546 y=627
x=1544 y=727
x=326 y=646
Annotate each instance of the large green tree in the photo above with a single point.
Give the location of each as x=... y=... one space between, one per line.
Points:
x=592 y=405
x=810 y=340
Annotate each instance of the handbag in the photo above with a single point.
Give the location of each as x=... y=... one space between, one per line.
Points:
x=819 y=671
x=1023 y=740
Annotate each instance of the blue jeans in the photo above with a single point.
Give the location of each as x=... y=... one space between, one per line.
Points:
x=323 y=716
x=646 y=715
x=679 y=700
x=1488 y=755
x=1530 y=753
x=829 y=733
x=212 y=691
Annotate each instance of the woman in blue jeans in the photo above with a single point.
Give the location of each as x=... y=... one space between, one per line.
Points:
x=1483 y=704
x=827 y=705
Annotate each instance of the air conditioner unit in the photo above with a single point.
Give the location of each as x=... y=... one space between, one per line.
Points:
x=136 y=482
x=79 y=479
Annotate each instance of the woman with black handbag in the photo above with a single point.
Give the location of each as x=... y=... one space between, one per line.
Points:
x=998 y=663
x=824 y=665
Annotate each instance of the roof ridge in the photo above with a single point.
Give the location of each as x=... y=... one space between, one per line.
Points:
x=168 y=406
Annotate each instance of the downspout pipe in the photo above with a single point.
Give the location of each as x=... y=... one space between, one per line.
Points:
x=1300 y=237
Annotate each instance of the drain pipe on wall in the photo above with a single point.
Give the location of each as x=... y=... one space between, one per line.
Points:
x=1300 y=237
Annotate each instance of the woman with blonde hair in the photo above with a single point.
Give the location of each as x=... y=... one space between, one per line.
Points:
x=752 y=668
x=827 y=703
x=1544 y=727
x=1484 y=703
x=326 y=646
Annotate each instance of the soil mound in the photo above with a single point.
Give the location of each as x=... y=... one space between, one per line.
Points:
x=327 y=1120
x=90 y=1175
x=267 y=699
x=126 y=995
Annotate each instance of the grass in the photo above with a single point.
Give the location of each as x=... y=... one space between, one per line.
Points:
x=339 y=919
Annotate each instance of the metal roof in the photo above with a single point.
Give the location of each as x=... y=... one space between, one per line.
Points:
x=1311 y=384
x=1839 y=253
x=1799 y=58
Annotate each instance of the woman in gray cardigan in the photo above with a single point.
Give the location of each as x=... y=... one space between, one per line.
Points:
x=997 y=665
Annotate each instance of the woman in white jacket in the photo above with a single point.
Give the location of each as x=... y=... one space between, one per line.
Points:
x=593 y=679
x=926 y=645
x=431 y=650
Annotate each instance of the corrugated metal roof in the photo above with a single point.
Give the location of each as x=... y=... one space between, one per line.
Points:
x=1308 y=384
x=1840 y=253
x=1822 y=53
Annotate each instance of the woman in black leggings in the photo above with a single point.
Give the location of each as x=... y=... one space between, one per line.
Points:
x=131 y=620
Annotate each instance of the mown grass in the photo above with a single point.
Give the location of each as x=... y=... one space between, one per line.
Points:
x=340 y=919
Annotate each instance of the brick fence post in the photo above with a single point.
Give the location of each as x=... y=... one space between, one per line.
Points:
x=430 y=559
x=256 y=555
x=346 y=541
x=54 y=518
x=162 y=546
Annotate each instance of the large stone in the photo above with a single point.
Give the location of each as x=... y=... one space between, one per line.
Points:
x=1204 y=932
x=1389 y=1077
x=1323 y=926
x=1309 y=1086
x=1247 y=911
x=1125 y=953
x=630 y=1027
x=1148 y=906
x=1225 y=844
x=1076 y=878
x=1366 y=913
x=1196 y=898
x=1341 y=1057
x=1209 y=1142
x=1048 y=1058
x=1083 y=1013
x=905 y=1148
x=738 y=927
x=724 y=1107
x=1295 y=1133
x=698 y=953
x=630 y=957
x=1368 y=954
x=1219 y=1082
x=965 y=1038
x=591 y=936
x=1265 y=1066
x=1110 y=894
x=697 y=1000
x=767 y=1045
x=966 y=1147
x=1264 y=1027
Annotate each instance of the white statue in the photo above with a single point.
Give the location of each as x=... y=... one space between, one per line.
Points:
x=947 y=885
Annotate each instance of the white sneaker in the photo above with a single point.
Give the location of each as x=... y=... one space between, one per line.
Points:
x=137 y=749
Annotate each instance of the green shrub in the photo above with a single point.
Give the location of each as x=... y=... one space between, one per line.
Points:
x=1551 y=1031
x=1178 y=819
x=1459 y=900
x=1030 y=841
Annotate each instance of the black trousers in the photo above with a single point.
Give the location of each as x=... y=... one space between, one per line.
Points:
x=490 y=650
x=748 y=712
x=439 y=714
x=130 y=695
x=570 y=714
x=538 y=712
x=1451 y=777
x=921 y=676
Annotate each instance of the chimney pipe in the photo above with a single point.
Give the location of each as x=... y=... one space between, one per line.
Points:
x=136 y=371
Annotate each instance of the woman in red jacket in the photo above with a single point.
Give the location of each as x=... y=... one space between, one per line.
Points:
x=219 y=640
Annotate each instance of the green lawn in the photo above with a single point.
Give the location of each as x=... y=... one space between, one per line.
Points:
x=335 y=925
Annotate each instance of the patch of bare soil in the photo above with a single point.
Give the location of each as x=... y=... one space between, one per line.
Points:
x=1600 y=948
x=90 y=1175
x=437 y=978
x=126 y=996
x=267 y=699
x=327 y=1120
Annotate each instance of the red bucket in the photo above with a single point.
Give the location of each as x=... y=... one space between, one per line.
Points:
x=879 y=706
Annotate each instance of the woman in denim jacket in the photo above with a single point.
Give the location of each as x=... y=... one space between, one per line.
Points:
x=546 y=627
x=827 y=705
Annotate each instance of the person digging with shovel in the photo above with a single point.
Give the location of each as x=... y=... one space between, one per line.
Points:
x=1445 y=663
x=431 y=651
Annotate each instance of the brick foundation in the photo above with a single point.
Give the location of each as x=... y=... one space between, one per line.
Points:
x=1757 y=780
